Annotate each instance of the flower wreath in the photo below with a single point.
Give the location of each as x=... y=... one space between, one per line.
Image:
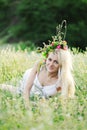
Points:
x=58 y=41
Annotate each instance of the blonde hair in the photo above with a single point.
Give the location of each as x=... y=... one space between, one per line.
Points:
x=65 y=73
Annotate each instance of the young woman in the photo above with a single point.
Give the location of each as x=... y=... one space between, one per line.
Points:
x=53 y=77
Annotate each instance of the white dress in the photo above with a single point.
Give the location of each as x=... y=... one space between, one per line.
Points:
x=37 y=88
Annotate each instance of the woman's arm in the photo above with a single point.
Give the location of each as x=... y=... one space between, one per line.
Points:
x=30 y=83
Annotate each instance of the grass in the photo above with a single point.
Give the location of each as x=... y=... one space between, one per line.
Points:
x=41 y=115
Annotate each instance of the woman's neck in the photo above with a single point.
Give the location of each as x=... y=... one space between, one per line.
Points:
x=52 y=75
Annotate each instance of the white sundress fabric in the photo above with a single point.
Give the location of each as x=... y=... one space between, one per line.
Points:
x=23 y=81
x=46 y=91
x=37 y=88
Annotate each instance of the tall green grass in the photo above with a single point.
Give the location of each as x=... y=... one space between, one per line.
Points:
x=41 y=115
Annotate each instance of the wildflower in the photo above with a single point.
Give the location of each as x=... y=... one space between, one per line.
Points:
x=59 y=46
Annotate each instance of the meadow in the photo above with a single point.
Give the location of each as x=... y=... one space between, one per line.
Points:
x=51 y=114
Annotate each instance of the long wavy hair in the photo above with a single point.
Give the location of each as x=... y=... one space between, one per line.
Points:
x=65 y=73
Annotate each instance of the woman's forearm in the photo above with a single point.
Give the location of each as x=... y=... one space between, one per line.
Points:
x=26 y=95
x=30 y=83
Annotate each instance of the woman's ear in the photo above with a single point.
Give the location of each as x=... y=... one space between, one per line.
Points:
x=45 y=61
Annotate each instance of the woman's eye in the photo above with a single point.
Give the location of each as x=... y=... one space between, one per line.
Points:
x=56 y=61
x=49 y=59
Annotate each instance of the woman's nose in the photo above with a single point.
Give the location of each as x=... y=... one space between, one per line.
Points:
x=51 y=63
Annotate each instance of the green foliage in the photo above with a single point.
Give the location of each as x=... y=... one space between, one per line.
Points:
x=35 y=21
x=29 y=46
x=78 y=32
x=42 y=114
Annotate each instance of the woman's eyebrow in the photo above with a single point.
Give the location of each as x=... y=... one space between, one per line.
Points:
x=49 y=58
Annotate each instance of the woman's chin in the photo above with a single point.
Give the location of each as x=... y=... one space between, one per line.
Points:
x=50 y=71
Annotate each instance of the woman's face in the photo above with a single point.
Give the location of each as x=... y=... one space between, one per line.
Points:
x=52 y=64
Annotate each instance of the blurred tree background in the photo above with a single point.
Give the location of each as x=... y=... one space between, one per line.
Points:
x=36 y=20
